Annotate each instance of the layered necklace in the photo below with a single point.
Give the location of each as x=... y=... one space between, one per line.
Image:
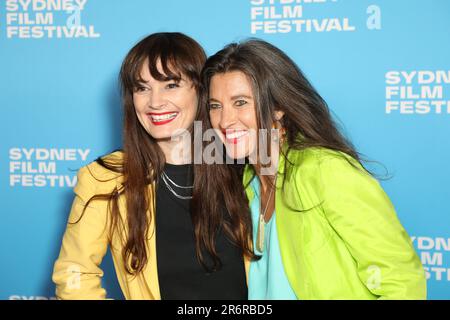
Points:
x=171 y=185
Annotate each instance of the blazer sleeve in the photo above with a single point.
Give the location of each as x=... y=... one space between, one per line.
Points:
x=361 y=213
x=77 y=272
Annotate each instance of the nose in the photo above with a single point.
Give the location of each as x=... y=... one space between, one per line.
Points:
x=157 y=99
x=229 y=116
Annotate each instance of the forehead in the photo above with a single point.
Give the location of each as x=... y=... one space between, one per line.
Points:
x=158 y=72
x=230 y=83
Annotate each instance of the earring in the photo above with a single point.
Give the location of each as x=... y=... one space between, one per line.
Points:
x=280 y=133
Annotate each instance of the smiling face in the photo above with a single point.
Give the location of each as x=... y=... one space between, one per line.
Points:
x=232 y=112
x=164 y=107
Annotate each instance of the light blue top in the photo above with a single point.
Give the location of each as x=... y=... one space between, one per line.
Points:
x=267 y=279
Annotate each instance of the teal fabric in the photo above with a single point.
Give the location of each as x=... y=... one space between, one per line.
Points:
x=267 y=279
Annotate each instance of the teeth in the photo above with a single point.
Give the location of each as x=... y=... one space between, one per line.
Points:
x=163 y=117
x=235 y=134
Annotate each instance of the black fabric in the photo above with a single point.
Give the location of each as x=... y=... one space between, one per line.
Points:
x=180 y=274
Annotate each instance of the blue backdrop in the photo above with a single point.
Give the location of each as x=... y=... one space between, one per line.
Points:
x=383 y=66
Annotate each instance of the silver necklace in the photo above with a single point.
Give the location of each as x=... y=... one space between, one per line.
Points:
x=176 y=185
x=262 y=223
x=166 y=180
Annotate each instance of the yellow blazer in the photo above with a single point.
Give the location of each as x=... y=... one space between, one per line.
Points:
x=76 y=273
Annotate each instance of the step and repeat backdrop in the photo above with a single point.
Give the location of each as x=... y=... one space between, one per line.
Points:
x=383 y=66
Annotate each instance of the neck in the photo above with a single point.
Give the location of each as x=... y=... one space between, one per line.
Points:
x=266 y=181
x=177 y=150
x=267 y=174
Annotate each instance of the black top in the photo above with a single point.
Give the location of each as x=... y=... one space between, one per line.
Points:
x=181 y=276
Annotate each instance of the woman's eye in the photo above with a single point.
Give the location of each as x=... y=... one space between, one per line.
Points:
x=140 y=89
x=213 y=106
x=240 y=103
x=172 y=85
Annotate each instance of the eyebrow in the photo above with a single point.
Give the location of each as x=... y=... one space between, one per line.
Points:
x=235 y=97
x=142 y=81
x=240 y=96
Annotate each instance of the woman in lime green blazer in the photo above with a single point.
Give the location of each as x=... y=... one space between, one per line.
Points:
x=322 y=225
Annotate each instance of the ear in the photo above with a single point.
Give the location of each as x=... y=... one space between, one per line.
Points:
x=278 y=115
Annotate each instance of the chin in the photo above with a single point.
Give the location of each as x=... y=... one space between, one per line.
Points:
x=159 y=134
x=236 y=154
x=163 y=132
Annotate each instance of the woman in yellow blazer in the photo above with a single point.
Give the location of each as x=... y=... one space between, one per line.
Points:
x=145 y=203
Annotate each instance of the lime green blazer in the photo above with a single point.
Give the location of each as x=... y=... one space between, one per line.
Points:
x=339 y=234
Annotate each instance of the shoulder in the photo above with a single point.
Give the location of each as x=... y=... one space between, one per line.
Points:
x=317 y=167
x=321 y=174
x=320 y=159
x=99 y=176
x=314 y=158
x=100 y=168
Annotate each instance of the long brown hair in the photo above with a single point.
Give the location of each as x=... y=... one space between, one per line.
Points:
x=278 y=85
x=143 y=160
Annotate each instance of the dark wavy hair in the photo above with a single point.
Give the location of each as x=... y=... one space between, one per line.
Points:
x=278 y=84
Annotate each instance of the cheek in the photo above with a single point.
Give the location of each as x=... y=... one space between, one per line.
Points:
x=188 y=101
x=247 y=117
x=139 y=104
x=214 y=117
x=140 y=110
x=141 y=118
x=193 y=105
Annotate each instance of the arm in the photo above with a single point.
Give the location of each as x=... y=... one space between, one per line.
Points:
x=76 y=273
x=361 y=213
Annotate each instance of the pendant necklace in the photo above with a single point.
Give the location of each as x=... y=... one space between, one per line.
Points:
x=262 y=223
